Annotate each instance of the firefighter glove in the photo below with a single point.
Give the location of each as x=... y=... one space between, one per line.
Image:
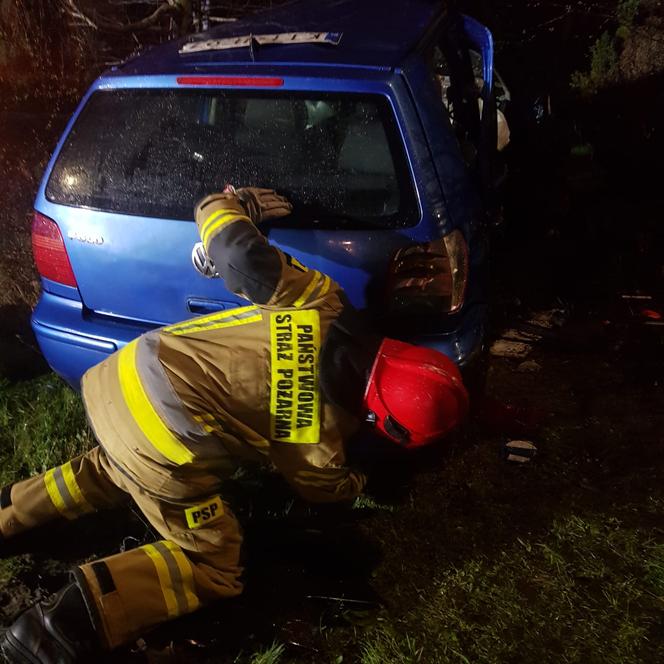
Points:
x=263 y=204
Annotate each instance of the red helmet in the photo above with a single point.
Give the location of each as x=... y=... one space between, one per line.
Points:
x=415 y=395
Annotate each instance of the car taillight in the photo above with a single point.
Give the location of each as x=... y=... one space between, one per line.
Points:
x=430 y=278
x=49 y=251
x=232 y=81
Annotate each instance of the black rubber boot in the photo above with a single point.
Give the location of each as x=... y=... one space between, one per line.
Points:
x=56 y=631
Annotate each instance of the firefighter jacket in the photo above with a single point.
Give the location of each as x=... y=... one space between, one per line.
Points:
x=177 y=409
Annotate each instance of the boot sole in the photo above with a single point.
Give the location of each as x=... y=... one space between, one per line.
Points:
x=14 y=650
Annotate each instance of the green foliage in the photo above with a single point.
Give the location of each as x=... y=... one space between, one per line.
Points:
x=626 y=12
x=603 y=64
x=365 y=502
x=11 y=567
x=42 y=424
x=605 y=52
x=271 y=655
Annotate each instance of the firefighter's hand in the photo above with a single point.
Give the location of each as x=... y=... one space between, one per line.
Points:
x=263 y=204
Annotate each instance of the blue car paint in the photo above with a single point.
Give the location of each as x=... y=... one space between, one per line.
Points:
x=75 y=333
x=481 y=38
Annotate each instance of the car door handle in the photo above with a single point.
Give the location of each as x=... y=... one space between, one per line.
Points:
x=201 y=306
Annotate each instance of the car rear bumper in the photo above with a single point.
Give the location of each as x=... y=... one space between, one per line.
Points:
x=465 y=344
x=73 y=341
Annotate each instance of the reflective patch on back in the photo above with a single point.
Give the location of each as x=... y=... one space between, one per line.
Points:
x=201 y=515
x=294 y=390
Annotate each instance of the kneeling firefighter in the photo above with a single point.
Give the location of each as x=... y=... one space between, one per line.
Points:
x=285 y=381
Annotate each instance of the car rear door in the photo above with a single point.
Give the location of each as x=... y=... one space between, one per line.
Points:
x=125 y=180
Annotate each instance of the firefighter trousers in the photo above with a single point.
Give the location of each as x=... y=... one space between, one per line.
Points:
x=196 y=562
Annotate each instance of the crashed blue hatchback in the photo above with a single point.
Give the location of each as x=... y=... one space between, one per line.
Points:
x=376 y=119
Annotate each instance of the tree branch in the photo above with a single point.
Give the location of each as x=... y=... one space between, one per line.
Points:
x=98 y=22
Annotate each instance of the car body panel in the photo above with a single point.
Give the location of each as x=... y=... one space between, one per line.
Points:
x=481 y=38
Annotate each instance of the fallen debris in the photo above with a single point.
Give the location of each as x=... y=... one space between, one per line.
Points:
x=518 y=341
x=548 y=319
x=529 y=366
x=513 y=349
x=519 y=451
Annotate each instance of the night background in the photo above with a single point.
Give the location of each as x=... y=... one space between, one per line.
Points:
x=466 y=558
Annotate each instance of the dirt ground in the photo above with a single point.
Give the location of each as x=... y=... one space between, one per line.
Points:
x=582 y=235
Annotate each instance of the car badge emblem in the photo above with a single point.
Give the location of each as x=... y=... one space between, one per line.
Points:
x=202 y=262
x=88 y=238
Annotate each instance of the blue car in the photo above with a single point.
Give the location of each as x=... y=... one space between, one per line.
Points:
x=366 y=115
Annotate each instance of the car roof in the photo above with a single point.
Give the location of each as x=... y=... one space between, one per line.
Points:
x=376 y=33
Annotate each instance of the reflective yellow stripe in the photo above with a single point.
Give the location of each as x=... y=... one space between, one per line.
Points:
x=164 y=579
x=217 y=326
x=197 y=322
x=233 y=323
x=187 y=573
x=308 y=290
x=54 y=492
x=74 y=489
x=326 y=286
x=214 y=216
x=296 y=264
x=212 y=228
x=143 y=411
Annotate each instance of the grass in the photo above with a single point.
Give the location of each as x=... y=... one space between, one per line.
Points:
x=591 y=591
x=42 y=424
x=271 y=655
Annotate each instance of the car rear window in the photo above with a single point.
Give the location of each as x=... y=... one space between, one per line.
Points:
x=339 y=158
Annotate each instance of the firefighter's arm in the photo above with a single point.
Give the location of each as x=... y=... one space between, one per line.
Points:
x=331 y=483
x=250 y=266
x=327 y=485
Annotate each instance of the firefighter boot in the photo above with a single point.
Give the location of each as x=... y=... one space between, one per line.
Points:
x=55 y=631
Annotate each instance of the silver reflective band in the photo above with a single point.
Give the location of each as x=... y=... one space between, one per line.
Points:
x=332 y=38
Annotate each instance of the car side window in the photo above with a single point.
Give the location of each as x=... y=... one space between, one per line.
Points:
x=452 y=67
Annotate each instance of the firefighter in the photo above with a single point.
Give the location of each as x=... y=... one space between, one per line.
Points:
x=285 y=381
